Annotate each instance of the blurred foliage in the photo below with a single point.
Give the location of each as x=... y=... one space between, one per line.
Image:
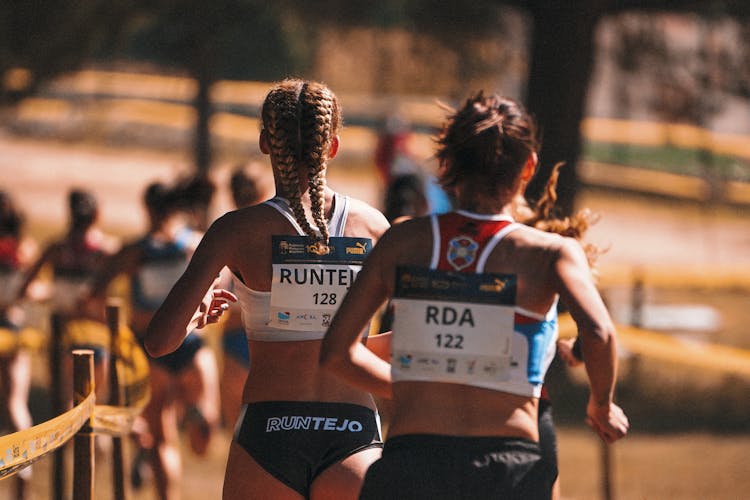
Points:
x=47 y=38
x=444 y=19
x=691 y=79
x=254 y=39
x=667 y=158
x=241 y=39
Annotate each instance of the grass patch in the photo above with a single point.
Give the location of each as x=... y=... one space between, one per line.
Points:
x=694 y=162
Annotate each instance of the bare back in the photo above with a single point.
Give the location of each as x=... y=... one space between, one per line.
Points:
x=288 y=370
x=454 y=409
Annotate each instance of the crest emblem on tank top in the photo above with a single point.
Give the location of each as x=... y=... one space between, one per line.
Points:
x=462 y=252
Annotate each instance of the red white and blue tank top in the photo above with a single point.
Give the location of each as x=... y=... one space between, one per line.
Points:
x=455 y=323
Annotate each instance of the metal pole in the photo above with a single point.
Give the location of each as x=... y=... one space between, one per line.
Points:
x=83 y=442
x=115 y=395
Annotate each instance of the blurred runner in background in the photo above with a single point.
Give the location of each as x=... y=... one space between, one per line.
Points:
x=184 y=385
x=72 y=262
x=16 y=253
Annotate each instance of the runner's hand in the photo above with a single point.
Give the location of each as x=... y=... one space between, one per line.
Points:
x=214 y=303
x=609 y=421
x=565 y=351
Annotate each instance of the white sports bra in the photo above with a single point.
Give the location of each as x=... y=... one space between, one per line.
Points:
x=256 y=305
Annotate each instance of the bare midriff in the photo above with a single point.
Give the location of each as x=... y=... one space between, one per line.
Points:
x=289 y=371
x=460 y=410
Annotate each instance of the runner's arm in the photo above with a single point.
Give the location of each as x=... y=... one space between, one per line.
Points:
x=194 y=300
x=597 y=333
x=342 y=351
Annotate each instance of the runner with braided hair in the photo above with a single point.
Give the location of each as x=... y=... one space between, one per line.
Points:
x=302 y=433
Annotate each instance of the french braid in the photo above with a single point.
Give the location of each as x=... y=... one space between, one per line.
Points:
x=319 y=120
x=301 y=119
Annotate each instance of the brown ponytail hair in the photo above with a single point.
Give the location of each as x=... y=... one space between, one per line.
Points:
x=301 y=119
x=486 y=142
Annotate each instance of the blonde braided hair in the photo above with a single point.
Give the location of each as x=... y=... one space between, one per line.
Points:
x=301 y=119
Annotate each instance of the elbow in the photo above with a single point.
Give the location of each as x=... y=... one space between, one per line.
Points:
x=154 y=348
x=602 y=333
x=155 y=344
x=598 y=342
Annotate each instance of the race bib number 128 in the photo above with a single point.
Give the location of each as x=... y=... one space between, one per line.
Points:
x=308 y=287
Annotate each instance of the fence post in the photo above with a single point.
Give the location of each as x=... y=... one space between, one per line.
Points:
x=58 y=401
x=115 y=394
x=83 y=444
x=637 y=299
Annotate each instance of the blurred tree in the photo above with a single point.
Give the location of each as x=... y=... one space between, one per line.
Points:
x=256 y=39
x=243 y=39
x=561 y=63
x=41 y=39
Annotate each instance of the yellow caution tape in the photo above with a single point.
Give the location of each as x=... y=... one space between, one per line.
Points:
x=114 y=420
x=8 y=341
x=86 y=332
x=700 y=355
x=660 y=346
x=132 y=369
x=27 y=338
x=22 y=448
x=32 y=339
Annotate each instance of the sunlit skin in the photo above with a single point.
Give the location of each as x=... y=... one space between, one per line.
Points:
x=545 y=264
x=279 y=371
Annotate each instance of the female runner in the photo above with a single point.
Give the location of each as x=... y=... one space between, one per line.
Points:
x=475 y=297
x=186 y=381
x=302 y=432
x=74 y=261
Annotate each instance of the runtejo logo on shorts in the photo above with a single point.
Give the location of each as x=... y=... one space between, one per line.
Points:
x=296 y=422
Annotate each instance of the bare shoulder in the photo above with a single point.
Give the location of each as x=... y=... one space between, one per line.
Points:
x=534 y=249
x=409 y=241
x=244 y=219
x=363 y=218
x=531 y=239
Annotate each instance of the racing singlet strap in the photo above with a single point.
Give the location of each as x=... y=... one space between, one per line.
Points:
x=462 y=240
x=336 y=223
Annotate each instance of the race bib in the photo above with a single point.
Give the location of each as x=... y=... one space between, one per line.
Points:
x=308 y=287
x=451 y=326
